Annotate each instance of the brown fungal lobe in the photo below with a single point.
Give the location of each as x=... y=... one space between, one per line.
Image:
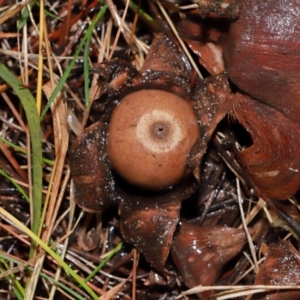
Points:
x=93 y=190
x=150 y=135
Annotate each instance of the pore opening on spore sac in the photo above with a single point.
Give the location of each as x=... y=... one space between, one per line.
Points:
x=159 y=131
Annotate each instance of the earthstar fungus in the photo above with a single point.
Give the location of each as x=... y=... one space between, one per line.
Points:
x=144 y=153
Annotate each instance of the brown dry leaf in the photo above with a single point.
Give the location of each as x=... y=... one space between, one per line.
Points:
x=272 y=161
x=261 y=53
x=281 y=267
x=200 y=252
x=61 y=141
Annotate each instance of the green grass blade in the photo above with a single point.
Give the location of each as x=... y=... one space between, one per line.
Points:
x=16 y=285
x=104 y=261
x=86 y=72
x=21 y=150
x=55 y=256
x=86 y=66
x=4 y=257
x=17 y=186
x=29 y=106
x=72 y=63
x=62 y=286
x=25 y=15
x=144 y=15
